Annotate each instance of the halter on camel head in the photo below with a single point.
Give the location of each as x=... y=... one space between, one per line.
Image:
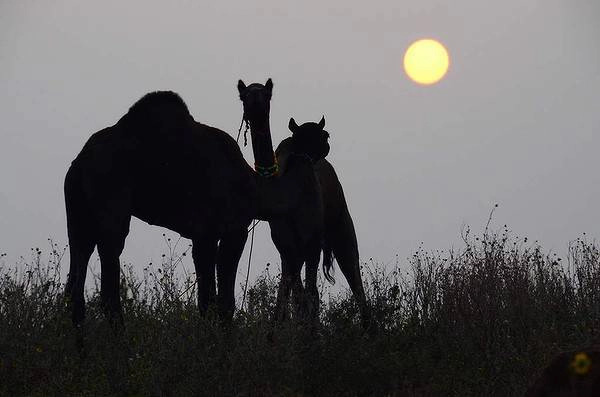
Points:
x=256 y=99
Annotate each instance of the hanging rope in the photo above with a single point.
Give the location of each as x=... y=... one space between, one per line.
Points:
x=188 y=288
x=245 y=131
x=254 y=222
x=249 y=260
x=253 y=226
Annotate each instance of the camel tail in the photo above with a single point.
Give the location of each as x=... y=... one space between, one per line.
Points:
x=328 y=262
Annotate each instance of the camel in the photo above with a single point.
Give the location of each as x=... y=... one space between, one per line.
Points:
x=298 y=234
x=298 y=243
x=160 y=165
x=301 y=236
x=339 y=236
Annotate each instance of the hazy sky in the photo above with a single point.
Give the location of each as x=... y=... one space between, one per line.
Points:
x=516 y=121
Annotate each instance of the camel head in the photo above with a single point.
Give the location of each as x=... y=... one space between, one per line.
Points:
x=310 y=139
x=256 y=99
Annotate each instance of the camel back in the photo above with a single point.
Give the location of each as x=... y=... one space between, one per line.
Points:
x=155 y=113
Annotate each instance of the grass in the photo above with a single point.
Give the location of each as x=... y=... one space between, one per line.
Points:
x=483 y=320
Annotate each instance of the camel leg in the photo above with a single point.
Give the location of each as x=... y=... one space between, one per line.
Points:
x=110 y=245
x=291 y=267
x=80 y=225
x=113 y=215
x=351 y=270
x=204 y=253
x=231 y=247
x=283 y=292
x=312 y=292
x=81 y=247
x=299 y=295
x=345 y=250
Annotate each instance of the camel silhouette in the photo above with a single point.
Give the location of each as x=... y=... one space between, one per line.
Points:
x=298 y=235
x=324 y=224
x=297 y=242
x=338 y=237
x=160 y=165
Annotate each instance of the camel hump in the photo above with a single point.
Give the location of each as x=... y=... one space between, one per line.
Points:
x=156 y=110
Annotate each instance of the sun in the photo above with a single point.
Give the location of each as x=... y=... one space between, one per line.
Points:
x=426 y=61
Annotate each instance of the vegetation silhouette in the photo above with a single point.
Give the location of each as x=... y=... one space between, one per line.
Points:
x=573 y=373
x=483 y=319
x=160 y=165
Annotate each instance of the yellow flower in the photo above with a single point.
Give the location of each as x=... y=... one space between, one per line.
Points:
x=38 y=349
x=581 y=364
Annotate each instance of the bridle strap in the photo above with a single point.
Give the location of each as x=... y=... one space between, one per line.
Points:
x=244 y=120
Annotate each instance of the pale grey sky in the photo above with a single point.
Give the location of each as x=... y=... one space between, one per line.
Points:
x=515 y=121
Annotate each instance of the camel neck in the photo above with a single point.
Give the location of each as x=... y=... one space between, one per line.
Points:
x=262 y=147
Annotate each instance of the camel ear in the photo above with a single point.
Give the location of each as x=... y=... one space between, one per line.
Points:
x=241 y=86
x=292 y=125
x=322 y=123
x=269 y=87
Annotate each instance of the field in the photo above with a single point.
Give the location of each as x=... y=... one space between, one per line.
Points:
x=483 y=320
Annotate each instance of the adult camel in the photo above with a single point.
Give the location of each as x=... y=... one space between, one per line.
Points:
x=160 y=165
x=298 y=234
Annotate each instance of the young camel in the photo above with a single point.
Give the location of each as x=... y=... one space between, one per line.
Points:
x=339 y=236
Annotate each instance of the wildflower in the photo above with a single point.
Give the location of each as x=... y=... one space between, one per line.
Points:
x=581 y=364
x=38 y=349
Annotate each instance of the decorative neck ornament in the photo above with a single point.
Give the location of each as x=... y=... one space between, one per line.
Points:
x=268 y=172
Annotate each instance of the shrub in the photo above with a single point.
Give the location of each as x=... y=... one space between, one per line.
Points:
x=482 y=320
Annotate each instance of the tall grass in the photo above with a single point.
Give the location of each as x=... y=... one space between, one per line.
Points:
x=481 y=320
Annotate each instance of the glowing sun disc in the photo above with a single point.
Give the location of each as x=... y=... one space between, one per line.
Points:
x=426 y=61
